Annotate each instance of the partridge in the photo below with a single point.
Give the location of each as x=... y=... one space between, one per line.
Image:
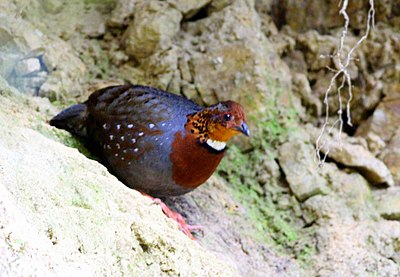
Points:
x=154 y=141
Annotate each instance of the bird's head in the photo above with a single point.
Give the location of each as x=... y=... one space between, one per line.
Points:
x=227 y=120
x=217 y=124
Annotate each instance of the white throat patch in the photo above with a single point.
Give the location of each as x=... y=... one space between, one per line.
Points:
x=215 y=144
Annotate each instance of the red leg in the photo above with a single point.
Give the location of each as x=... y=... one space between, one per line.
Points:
x=183 y=226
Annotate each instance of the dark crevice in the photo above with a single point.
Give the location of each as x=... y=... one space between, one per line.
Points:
x=278 y=14
x=282 y=179
x=144 y=246
x=199 y=15
x=350 y=130
x=309 y=224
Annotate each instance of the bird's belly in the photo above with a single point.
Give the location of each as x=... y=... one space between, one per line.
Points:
x=151 y=173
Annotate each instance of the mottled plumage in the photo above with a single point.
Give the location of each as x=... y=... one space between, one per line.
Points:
x=154 y=141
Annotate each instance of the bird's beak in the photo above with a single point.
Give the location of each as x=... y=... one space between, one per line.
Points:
x=244 y=129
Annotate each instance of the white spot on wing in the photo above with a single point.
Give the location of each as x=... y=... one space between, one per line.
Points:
x=111 y=137
x=130 y=126
x=136 y=149
x=151 y=125
x=133 y=140
x=122 y=138
x=118 y=126
x=140 y=134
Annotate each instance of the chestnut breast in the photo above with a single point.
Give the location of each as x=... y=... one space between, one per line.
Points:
x=140 y=132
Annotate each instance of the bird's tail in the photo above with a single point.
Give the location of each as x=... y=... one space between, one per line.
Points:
x=72 y=119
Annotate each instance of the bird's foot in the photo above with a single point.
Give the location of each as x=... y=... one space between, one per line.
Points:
x=183 y=226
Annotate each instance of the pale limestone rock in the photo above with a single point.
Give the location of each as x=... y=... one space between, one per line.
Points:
x=352 y=152
x=62 y=213
x=296 y=160
x=362 y=160
x=153 y=29
x=388 y=203
x=391 y=156
x=27 y=66
x=302 y=87
x=188 y=7
x=384 y=122
x=230 y=55
x=122 y=11
x=94 y=25
x=344 y=248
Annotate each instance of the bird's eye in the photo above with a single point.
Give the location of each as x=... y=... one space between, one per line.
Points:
x=227 y=117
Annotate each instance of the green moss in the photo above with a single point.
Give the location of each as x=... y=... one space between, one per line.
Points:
x=97 y=61
x=274 y=226
x=39 y=124
x=281 y=228
x=276 y=122
x=271 y=225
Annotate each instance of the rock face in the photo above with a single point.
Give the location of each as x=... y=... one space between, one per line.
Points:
x=310 y=14
x=384 y=123
x=346 y=246
x=33 y=64
x=269 y=210
x=154 y=27
x=391 y=156
x=229 y=54
x=347 y=225
x=388 y=203
x=296 y=161
x=61 y=212
x=189 y=7
x=358 y=157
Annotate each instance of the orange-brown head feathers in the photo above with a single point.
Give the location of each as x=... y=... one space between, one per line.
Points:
x=227 y=121
x=216 y=124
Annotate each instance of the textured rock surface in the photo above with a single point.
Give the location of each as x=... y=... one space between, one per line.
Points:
x=388 y=203
x=391 y=156
x=189 y=7
x=384 y=121
x=346 y=247
x=229 y=54
x=358 y=157
x=353 y=152
x=153 y=28
x=347 y=227
x=228 y=231
x=61 y=212
x=310 y=14
x=21 y=41
x=121 y=12
x=297 y=163
x=266 y=214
